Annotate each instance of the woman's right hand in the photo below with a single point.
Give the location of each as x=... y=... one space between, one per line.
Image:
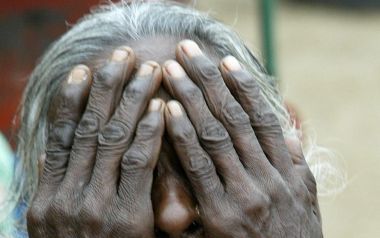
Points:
x=97 y=176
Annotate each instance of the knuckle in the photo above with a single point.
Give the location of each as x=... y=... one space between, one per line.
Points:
x=99 y=101
x=284 y=197
x=215 y=222
x=297 y=157
x=235 y=116
x=61 y=134
x=301 y=191
x=141 y=224
x=202 y=167
x=199 y=165
x=125 y=222
x=209 y=72
x=279 y=191
x=308 y=179
x=115 y=133
x=184 y=134
x=265 y=118
x=90 y=217
x=214 y=136
x=137 y=158
x=245 y=82
x=299 y=209
x=88 y=126
x=266 y=122
x=225 y=222
x=257 y=206
x=141 y=229
x=59 y=208
x=204 y=69
x=148 y=128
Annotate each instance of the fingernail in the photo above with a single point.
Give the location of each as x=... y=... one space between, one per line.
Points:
x=190 y=48
x=175 y=109
x=79 y=74
x=119 y=55
x=231 y=63
x=174 y=69
x=145 y=69
x=155 y=105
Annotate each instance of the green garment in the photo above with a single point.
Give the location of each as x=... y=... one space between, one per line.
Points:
x=6 y=175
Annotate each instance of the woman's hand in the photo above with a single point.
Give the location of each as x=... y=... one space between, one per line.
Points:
x=247 y=181
x=98 y=171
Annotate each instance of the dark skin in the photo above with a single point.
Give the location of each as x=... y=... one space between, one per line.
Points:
x=222 y=169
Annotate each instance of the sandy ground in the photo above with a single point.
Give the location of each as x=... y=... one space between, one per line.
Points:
x=329 y=66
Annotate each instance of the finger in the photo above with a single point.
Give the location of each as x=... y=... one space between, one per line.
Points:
x=63 y=117
x=263 y=119
x=294 y=145
x=307 y=187
x=212 y=135
x=139 y=161
x=117 y=135
x=196 y=163
x=107 y=85
x=224 y=106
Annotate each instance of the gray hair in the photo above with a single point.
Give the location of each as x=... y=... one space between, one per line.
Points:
x=106 y=28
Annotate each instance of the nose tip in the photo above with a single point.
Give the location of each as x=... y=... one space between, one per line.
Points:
x=175 y=217
x=173 y=203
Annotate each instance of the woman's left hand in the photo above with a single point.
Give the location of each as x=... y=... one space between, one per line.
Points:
x=247 y=180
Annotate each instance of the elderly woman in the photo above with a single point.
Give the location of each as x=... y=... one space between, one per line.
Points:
x=153 y=120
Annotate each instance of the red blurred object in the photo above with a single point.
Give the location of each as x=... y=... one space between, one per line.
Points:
x=72 y=9
x=26 y=29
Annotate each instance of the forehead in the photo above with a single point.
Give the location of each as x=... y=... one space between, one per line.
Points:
x=161 y=48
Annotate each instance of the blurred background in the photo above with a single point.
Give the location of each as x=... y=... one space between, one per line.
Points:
x=325 y=53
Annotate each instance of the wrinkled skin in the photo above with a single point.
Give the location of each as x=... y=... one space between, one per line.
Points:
x=230 y=144
x=246 y=178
